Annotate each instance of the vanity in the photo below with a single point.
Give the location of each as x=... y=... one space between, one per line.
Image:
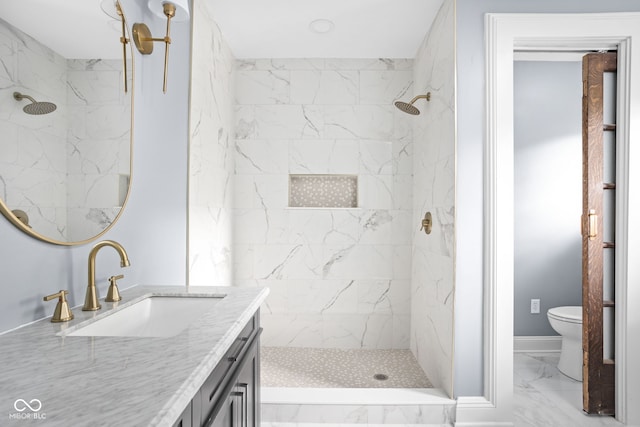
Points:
x=207 y=372
x=66 y=175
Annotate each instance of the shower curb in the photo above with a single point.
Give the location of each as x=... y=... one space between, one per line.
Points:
x=357 y=406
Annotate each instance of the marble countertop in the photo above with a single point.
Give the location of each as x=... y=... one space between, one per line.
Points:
x=126 y=381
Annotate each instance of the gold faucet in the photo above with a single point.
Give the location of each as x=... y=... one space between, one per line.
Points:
x=91 y=299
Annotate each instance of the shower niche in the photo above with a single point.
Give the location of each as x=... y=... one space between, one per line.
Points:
x=323 y=191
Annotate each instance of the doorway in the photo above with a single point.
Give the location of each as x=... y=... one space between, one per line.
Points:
x=548 y=32
x=547 y=240
x=548 y=172
x=547 y=189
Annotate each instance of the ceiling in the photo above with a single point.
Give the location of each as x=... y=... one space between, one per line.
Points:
x=77 y=29
x=251 y=28
x=363 y=28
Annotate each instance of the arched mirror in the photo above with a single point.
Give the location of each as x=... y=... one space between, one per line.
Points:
x=65 y=117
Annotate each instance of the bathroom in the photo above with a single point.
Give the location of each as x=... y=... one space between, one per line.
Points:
x=157 y=218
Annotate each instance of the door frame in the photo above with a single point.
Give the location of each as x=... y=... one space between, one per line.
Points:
x=505 y=33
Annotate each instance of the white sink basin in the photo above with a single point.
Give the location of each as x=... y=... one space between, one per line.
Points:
x=154 y=316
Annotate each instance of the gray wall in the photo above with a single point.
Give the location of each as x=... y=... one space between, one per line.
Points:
x=548 y=190
x=153 y=226
x=471 y=128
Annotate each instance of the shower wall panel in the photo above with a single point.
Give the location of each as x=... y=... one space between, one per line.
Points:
x=432 y=288
x=98 y=143
x=211 y=153
x=339 y=277
x=36 y=142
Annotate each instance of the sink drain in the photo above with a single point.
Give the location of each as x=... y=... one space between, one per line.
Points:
x=380 y=377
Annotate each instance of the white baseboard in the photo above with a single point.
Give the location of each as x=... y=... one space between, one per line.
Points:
x=524 y=344
x=484 y=424
x=477 y=411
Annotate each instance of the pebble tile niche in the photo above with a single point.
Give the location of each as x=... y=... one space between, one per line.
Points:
x=323 y=191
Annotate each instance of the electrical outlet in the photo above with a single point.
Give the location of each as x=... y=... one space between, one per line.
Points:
x=535 y=306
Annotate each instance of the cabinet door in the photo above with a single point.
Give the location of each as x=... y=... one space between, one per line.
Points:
x=241 y=407
x=185 y=419
x=228 y=415
x=249 y=385
x=234 y=397
x=223 y=378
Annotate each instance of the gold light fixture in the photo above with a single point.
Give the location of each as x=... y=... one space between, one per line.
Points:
x=178 y=10
x=124 y=40
x=113 y=9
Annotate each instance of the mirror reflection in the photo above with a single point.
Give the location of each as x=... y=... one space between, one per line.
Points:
x=65 y=121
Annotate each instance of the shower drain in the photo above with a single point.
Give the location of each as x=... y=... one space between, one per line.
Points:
x=380 y=377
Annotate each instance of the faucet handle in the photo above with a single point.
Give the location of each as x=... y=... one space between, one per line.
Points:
x=113 y=294
x=62 y=312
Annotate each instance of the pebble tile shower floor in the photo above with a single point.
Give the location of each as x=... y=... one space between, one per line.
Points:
x=340 y=368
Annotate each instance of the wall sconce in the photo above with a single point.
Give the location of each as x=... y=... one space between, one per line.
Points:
x=113 y=9
x=178 y=10
x=124 y=40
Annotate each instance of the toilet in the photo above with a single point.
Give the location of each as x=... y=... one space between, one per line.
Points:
x=567 y=321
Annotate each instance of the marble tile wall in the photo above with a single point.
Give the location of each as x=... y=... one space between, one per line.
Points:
x=211 y=153
x=339 y=278
x=62 y=168
x=29 y=142
x=98 y=144
x=432 y=289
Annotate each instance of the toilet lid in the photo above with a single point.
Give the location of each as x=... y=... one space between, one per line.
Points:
x=568 y=313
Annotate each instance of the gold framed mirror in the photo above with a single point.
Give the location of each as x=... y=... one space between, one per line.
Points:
x=66 y=118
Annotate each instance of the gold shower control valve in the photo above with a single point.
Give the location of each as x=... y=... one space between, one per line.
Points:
x=427 y=223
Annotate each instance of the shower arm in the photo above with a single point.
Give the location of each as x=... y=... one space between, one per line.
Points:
x=20 y=96
x=427 y=97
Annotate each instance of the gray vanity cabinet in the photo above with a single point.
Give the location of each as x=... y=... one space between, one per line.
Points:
x=240 y=408
x=230 y=396
x=185 y=419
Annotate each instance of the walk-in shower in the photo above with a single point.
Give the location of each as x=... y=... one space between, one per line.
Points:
x=36 y=107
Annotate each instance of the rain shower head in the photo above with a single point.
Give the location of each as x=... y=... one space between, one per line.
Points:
x=408 y=107
x=35 y=107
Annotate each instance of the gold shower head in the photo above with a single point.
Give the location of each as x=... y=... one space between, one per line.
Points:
x=35 y=108
x=408 y=107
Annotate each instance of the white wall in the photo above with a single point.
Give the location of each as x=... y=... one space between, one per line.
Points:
x=432 y=279
x=153 y=226
x=471 y=127
x=548 y=190
x=338 y=277
x=211 y=153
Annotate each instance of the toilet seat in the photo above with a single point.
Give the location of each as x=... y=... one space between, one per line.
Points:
x=571 y=314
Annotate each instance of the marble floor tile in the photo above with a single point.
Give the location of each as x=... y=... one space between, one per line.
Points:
x=544 y=397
